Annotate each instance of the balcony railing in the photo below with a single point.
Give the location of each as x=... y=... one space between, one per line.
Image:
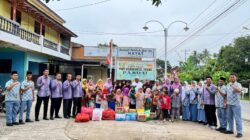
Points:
x=14 y=28
x=9 y=26
x=29 y=36
x=65 y=50
x=49 y=44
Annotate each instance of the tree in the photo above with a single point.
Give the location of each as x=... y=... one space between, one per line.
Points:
x=160 y=65
x=154 y=2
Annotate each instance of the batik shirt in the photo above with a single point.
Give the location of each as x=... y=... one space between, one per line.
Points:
x=14 y=93
x=28 y=94
x=233 y=98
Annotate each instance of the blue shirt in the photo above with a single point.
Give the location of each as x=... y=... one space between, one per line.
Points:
x=77 y=86
x=14 y=93
x=233 y=98
x=43 y=89
x=28 y=94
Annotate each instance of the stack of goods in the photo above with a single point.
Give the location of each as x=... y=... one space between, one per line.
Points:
x=132 y=110
x=97 y=114
x=87 y=110
x=108 y=114
x=119 y=110
x=141 y=116
x=131 y=116
x=80 y=117
x=120 y=117
x=153 y=116
x=147 y=113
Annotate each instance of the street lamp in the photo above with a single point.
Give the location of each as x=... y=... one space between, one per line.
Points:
x=166 y=35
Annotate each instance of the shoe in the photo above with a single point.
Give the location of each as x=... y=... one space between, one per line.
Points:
x=58 y=117
x=45 y=118
x=228 y=132
x=37 y=120
x=21 y=122
x=239 y=135
x=213 y=127
x=28 y=120
x=207 y=126
x=9 y=124
x=218 y=129
x=66 y=117
x=15 y=123
x=51 y=118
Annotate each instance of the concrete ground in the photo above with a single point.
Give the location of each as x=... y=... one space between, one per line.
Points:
x=66 y=129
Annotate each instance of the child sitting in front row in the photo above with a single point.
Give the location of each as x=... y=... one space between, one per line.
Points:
x=176 y=104
x=165 y=104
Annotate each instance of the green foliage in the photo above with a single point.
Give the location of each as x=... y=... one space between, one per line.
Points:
x=231 y=58
x=185 y=77
x=216 y=76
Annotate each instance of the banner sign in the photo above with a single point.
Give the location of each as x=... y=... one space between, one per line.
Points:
x=136 y=52
x=128 y=70
x=131 y=52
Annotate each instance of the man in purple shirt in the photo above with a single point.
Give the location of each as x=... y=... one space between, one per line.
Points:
x=208 y=99
x=56 y=96
x=77 y=95
x=43 y=85
x=67 y=96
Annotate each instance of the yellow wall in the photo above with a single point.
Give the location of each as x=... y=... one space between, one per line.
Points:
x=27 y=22
x=5 y=8
x=51 y=34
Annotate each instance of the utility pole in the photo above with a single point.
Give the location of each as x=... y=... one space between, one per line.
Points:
x=186 y=52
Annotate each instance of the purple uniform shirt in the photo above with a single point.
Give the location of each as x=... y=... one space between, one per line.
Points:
x=43 y=89
x=208 y=96
x=56 y=89
x=77 y=88
x=67 y=89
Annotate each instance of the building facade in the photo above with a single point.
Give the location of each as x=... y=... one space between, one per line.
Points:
x=32 y=36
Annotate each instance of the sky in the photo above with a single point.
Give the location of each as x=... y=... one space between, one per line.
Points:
x=122 y=21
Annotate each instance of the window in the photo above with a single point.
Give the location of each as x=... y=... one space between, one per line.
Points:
x=5 y=65
x=18 y=16
x=43 y=30
x=37 y=27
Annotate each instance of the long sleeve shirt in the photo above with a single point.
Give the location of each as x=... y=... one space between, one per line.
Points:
x=43 y=89
x=56 y=89
x=67 y=90
x=77 y=89
x=208 y=95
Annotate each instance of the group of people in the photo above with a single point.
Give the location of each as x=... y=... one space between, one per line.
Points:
x=169 y=99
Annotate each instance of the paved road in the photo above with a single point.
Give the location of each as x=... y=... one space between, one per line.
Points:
x=245 y=110
x=62 y=129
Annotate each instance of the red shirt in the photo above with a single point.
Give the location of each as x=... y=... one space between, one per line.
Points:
x=166 y=102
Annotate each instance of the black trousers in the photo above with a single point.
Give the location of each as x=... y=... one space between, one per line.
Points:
x=165 y=114
x=55 y=106
x=77 y=103
x=210 y=111
x=39 y=101
x=67 y=104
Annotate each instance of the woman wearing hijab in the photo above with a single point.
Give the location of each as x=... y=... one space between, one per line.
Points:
x=125 y=100
x=108 y=85
x=201 y=117
x=157 y=85
x=86 y=92
x=175 y=85
x=99 y=84
x=193 y=101
x=185 y=101
x=91 y=88
x=167 y=84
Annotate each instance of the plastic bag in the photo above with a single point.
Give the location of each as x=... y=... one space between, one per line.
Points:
x=141 y=117
x=80 y=117
x=87 y=110
x=108 y=114
x=97 y=114
x=131 y=116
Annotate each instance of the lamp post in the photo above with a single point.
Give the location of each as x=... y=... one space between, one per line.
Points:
x=166 y=36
